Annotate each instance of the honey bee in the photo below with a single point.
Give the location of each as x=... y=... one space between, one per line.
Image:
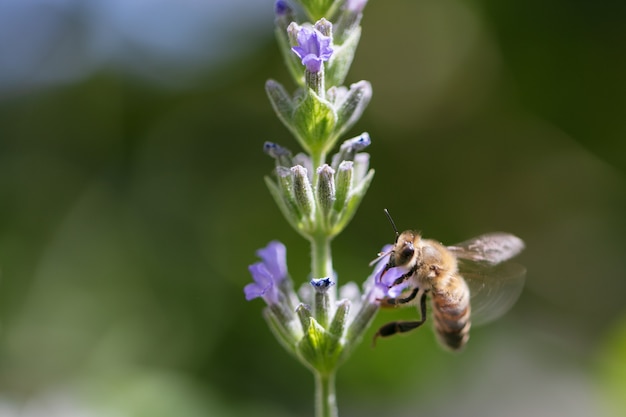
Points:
x=475 y=269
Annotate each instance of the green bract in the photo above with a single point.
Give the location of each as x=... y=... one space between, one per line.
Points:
x=317 y=122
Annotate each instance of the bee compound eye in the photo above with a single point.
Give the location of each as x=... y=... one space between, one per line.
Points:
x=407 y=251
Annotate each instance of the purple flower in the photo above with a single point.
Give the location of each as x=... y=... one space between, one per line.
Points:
x=313 y=48
x=383 y=283
x=268 y=274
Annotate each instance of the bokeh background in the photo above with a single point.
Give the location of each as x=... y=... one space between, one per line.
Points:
x=132 y=201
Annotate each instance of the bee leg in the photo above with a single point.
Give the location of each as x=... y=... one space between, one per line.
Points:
x=403 y=277
x=394 y=327
x=396 y=301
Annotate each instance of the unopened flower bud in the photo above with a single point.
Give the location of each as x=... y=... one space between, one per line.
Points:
x=286 y=186
x=292 y=33
x=343 y=184
x=303 y=192
x=349 y=19
x=337 y=327
x=321 y=285
x=351 y=107
x=280 y=154
x=325 y=27
x=284 y=14
x=325 y=188
x=350 y=147
x=322 y=299
x=303 y=312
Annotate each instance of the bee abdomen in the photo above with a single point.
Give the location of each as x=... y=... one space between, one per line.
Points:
x=453 y=332
x=451 y=313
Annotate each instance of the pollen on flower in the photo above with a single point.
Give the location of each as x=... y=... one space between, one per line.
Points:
x=313 y=48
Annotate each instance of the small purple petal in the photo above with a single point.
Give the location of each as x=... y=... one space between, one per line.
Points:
x=389 y=277
x=274 y=256
x=392 y=274
x=312 y=63
x=313 y=48
x=384 y=281
x=377 y=293
x=264 y=284
x=382 y=260
x=268 y=274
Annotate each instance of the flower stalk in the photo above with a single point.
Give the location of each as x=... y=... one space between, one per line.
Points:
x=325 y=397
x=318 y=197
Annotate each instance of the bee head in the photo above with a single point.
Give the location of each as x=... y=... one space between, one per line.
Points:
x=404 y=248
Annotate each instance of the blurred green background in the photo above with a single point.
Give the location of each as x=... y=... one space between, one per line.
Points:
x=132 y=201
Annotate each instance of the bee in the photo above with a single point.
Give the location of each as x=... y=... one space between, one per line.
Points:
x=475 y=270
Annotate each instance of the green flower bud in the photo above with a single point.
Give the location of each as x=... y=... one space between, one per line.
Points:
x=322 y=299
x=325 y=189
x=303 y=193
x=350 y=106
x=350 y=147
x=343 y=185
x=281 y=155
x=325 y=27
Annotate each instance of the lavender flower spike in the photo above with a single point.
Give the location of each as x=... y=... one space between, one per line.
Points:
x=313 y=48
x=268 y=274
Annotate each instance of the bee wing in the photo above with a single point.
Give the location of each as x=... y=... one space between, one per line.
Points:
x=491 y=248
x=495 y=284
x=494 y=288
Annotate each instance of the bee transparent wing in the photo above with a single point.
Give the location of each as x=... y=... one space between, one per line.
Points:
x=491 y=248
x=495 y=284
x=494 y=289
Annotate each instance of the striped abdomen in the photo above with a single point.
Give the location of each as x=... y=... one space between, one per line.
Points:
x=451 y=312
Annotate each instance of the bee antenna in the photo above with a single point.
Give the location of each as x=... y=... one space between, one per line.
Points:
x=395 y=229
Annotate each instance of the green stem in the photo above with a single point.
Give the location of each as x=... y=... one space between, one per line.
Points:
x=315 y=81
x=318 y=158
x=325 y=400
x=321 y=259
